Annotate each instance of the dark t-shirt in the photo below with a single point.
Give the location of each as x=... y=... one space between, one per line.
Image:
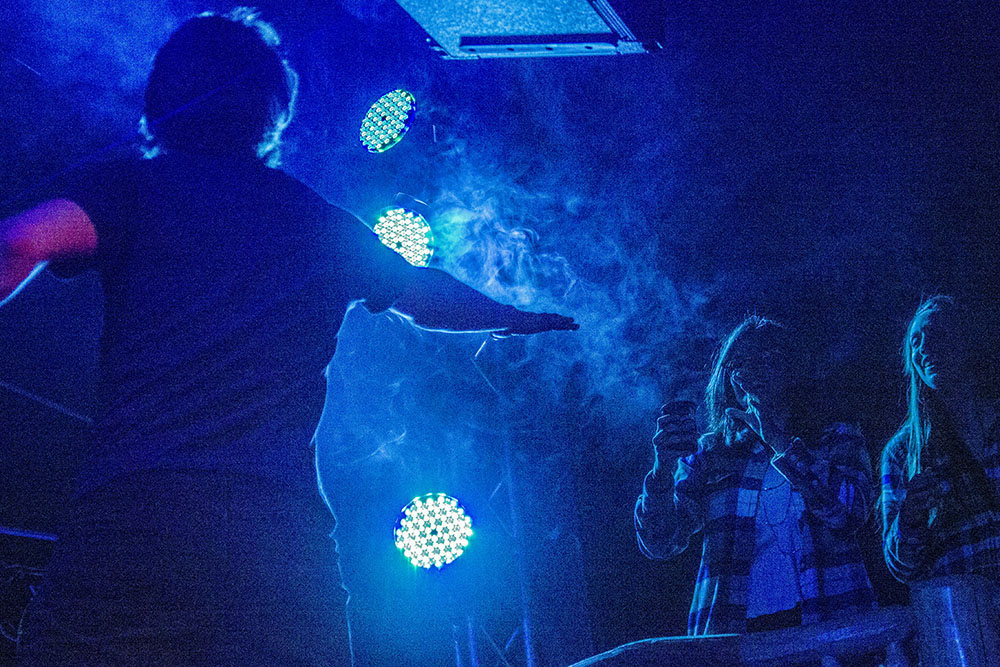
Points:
x=225 y=283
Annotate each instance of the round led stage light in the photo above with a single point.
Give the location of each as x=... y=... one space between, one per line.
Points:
x=433 y=530
x=388 y=120
x=408 y=233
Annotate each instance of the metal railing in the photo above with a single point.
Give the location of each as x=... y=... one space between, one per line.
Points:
x=952 y=622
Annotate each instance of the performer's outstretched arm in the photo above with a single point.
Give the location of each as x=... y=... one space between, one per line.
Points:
x=56 y=229
x=430 y=298
x=435 y=300
x=59 y=229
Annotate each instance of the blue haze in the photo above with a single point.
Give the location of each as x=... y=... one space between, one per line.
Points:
x=826 y=166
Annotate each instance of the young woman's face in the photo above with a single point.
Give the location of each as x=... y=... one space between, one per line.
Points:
x=943 y=354
x=766 y=380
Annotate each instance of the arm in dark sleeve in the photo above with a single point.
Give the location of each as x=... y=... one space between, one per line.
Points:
x=430 y=298
x=670 y=511
x=838 y=488
x=905 y=548
x=433 y=299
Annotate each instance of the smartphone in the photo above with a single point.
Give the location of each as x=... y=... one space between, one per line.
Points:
x=679 y=409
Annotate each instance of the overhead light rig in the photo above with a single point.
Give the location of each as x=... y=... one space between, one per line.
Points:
x=471 y=29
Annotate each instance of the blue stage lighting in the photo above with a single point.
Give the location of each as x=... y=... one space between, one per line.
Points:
x=408 y=233
x=433 y=530
x=388 y=120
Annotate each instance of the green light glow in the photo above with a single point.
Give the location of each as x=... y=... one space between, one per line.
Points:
x=388 y=120
x=433 y=530
x=407 y=233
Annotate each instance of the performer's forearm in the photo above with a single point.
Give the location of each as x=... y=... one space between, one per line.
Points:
x=439 y=301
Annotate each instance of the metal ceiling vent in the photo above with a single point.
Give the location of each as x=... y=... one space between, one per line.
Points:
x=467 y=29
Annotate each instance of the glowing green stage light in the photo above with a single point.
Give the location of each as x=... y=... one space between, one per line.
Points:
x=433 y=530
x=388 y=120
x=407 y=233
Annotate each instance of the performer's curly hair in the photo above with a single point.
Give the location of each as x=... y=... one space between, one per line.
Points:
x=219 y=86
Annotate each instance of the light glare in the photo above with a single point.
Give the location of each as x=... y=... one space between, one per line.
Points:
x=407 y=233
x=388 y=120
x=433 y=530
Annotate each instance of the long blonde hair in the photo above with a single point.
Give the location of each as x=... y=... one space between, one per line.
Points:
x=927 y=415
x=916 y=428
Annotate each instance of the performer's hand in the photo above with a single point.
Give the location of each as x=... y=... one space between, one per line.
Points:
x=676 y=432
x=531 y=323
x=924 y=492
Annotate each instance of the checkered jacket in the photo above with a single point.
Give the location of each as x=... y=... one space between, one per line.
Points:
x=964 y=536
x=715 y=491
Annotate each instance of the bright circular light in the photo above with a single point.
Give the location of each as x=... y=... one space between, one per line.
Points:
x=407 y=233
x=433 y=530
x=388 y=120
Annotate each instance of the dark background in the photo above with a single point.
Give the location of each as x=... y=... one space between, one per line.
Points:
x=826 y=166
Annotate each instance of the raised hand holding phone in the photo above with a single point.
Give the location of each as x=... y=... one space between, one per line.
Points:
x=676 y=432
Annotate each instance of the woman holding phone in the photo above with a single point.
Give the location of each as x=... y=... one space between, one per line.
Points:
x=777 y=514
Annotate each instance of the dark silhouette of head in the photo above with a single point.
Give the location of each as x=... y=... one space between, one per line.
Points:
x=219 y=86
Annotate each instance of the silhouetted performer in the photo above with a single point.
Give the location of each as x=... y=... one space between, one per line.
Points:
x=196 y=533
x=777 y=515
x=941 y=470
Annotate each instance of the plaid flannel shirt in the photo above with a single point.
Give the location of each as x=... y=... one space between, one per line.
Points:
x=716 y=491
x=963 y=538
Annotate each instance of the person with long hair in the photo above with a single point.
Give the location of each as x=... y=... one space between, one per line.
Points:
x=940 y=514
x=778 y=514
x=196 y=532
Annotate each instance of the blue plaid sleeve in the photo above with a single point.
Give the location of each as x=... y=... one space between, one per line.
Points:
x=904 y=551
x=837 y=484
x=669 y=511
